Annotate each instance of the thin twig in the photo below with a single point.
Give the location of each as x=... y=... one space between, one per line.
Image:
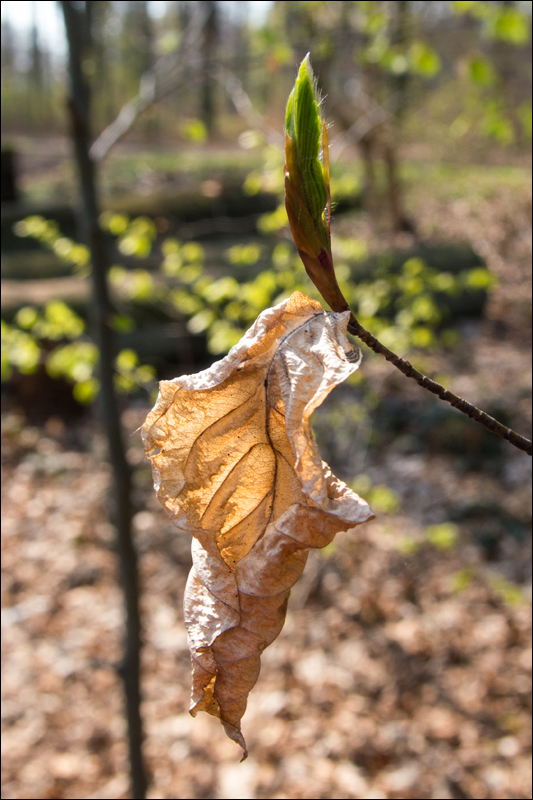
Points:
x=244 y=105
x=374 y=115
x=516 y=439
x=165 y=76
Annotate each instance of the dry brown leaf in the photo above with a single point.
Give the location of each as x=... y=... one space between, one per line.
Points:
x=236 y=465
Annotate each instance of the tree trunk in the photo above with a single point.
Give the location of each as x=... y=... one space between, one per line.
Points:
x=76 y=23
x=207 y=97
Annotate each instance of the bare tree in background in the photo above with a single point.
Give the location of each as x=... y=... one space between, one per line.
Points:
x=401 y=34
x=77 y=25
x=209 y=43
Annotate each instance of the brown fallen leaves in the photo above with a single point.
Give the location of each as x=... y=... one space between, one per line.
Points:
x=236 y=465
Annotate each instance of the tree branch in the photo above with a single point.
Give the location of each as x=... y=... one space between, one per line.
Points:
x=155 y=83
x=244 y=105
x=516 y=439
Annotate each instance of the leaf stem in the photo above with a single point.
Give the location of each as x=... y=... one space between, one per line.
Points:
x=516 y=439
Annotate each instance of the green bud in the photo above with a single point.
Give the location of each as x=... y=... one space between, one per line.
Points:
x=304 y=127
x=307 y=193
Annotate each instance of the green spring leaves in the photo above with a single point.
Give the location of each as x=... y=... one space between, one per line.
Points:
x=307 y=193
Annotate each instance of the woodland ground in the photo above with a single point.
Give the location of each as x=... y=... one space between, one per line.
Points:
x=403 y=670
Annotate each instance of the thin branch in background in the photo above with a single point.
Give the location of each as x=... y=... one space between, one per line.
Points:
x=244 y=105
x=514 y=438
x=373 y=116
x=76 y=24
x=167 y=74
x=155 y=83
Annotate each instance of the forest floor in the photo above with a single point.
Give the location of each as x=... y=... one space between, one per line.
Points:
x=404 y=667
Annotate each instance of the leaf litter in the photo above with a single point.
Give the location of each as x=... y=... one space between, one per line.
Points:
x=388 y=678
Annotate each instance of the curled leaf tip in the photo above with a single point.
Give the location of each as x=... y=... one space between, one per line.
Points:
x=307 y=192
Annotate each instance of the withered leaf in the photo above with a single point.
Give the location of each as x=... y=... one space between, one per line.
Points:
x=236 y=465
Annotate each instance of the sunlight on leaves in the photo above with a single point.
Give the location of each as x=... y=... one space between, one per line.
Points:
x=511 y=594
x=194 y=131
x=443 y=536
x=20 y=350
x=243 y=254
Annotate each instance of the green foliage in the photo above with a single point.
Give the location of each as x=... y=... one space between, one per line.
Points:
x=116 y=224
x=379 y=48
x=122 y=323
x=194 y=130
x=223 y=336
x=486 y=108
x=272 y=221
x=243 y=255
x=463 y=6
x=463 y=579
x=404 y=309
x=423 y=59
x=56 y=321
x=269 y=176
x=19 y=350
x=443 y=536
x=393 y=39
x=508 y=23
x=480 y=70
x=130 y=374
x=407 y=545
x=407 y=310
x=496 y=124
x=381 y=498
x=390 y=50
x=477 y=278
x=86 y=392
x=201 y=321
x=510 y=593
x=47 y=232
x=135 y=237
x=77 y=361
x=135 y=284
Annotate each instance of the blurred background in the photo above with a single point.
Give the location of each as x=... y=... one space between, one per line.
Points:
x=403 y=670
